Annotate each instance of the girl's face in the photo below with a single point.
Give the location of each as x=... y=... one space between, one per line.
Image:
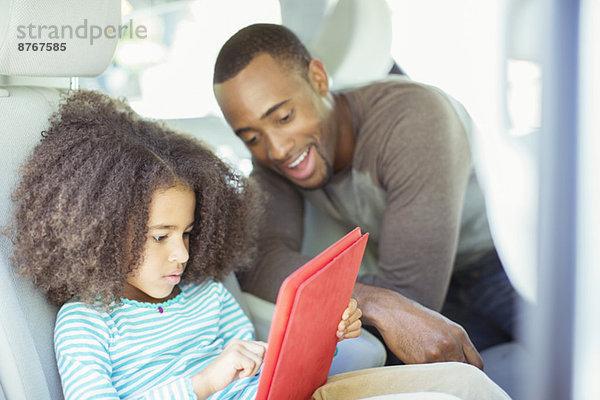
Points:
x=171 y=218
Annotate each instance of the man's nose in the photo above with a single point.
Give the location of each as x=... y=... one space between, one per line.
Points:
x=280 y=146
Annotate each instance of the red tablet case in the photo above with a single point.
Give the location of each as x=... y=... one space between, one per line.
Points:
x=309 y=307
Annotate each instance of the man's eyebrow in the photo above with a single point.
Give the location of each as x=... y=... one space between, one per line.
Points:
x=265 y=115
x=272 y=109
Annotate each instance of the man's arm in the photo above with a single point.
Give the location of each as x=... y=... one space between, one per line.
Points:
x=412 y=332
x=423 y=164
x=280 y=239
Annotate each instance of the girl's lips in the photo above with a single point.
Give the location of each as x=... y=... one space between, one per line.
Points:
x=173 y=279
x=304 y=168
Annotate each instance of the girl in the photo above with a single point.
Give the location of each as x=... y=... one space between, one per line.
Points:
x=131 y=227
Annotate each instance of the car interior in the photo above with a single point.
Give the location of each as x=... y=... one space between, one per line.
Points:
x=352 y=37
x=28 y=367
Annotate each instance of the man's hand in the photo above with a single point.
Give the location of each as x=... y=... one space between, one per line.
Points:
x=413 y=332
x=239 y=359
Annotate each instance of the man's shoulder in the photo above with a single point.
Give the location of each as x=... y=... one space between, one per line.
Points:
x=397 y=116
x=397 y=104
x=393 y=86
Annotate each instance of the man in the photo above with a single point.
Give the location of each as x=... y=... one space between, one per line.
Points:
x=392 y=157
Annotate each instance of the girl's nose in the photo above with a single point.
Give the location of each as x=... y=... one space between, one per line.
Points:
x=180 y=252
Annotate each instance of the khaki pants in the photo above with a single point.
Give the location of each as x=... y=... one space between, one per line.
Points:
x=448 y=380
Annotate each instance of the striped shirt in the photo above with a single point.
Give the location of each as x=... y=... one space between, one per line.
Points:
x=135 y=351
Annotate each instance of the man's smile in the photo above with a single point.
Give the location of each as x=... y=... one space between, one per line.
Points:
x=303 y=166
x=299 y=159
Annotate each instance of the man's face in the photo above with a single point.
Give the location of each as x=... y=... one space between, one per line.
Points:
x=284 y=119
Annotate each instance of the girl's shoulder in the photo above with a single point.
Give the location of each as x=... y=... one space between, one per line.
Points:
x=76 y=318
x=205 y=287
x=80 y=310
x=206 y=291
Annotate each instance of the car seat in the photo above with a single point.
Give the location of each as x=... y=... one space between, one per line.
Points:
x=27 y=364
x=353 y=38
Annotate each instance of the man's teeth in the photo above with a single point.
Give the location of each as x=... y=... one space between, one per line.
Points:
x=299 y=159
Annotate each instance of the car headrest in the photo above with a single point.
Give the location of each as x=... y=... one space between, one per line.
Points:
x=55 y=38
x=354 y=42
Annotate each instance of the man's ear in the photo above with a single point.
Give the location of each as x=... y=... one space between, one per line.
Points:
x=317 y=76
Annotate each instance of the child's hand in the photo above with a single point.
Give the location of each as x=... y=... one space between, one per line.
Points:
x=350 y=325
x=239 y=359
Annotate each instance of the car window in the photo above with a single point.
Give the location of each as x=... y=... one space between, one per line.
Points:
x=167 y=72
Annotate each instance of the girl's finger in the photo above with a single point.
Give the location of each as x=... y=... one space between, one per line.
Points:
x=355 y=326
x=352 y=306
x=354 y=317
x=255 y=346
x=250 y=362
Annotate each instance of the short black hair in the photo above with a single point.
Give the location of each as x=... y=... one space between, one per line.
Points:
x=275 y=40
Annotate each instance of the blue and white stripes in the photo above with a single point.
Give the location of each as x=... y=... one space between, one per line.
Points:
x=136 y=352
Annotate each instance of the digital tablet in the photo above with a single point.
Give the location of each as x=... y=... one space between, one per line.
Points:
x=309 y=307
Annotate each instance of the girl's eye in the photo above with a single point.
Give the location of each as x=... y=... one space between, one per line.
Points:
x=187 y=234
x=159 y=238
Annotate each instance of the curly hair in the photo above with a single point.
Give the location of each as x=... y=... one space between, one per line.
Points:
x=276 y=40
x=82 y=204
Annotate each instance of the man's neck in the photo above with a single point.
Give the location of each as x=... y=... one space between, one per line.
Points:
x=344 y=150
